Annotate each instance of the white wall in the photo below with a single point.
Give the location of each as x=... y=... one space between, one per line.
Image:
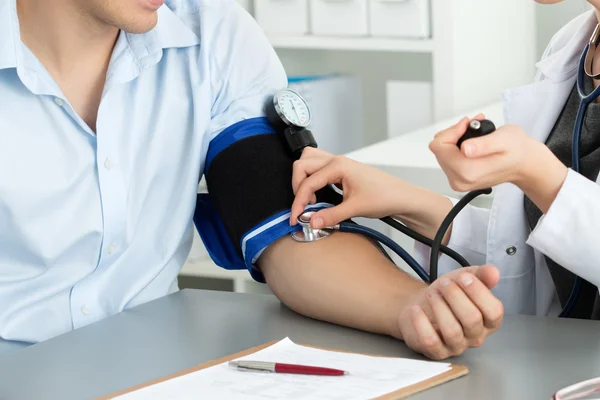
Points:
x=376 y=68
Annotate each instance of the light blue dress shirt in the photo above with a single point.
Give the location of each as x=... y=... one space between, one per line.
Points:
x=93 y=224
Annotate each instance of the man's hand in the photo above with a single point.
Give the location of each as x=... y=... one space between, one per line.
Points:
x=455 y=313
x=345 y=280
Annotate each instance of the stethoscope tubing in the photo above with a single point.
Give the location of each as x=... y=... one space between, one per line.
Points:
x=386 y=241
x=425 y=240
x=439 y=237
x=436 y=243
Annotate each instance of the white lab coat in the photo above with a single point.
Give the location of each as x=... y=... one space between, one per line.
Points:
x=569 y=232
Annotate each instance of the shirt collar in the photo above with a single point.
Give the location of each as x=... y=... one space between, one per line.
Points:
x=8 y=34
x=170 y=32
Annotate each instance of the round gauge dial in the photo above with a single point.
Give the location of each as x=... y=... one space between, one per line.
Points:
x=292 y=108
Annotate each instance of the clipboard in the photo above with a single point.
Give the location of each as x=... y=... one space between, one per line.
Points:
x=455 y=372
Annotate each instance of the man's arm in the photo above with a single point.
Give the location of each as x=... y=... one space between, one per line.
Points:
x=343 y=279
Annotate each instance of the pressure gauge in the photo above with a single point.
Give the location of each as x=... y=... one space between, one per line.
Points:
x=289 y=109
x=290 y=115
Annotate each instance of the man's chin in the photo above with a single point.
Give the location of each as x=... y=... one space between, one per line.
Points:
x=140 y=26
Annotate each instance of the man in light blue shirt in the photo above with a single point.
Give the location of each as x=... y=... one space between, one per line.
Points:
x=107 y=111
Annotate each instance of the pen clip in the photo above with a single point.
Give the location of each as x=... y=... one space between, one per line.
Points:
x=253 y=366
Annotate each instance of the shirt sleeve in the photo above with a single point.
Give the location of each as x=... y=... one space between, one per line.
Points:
x=245 y=74
x=245 y=70
x=568 y=232
x=468 y=238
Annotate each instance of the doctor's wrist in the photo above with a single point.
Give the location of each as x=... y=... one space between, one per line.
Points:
x=541 y=177
x=425 y=211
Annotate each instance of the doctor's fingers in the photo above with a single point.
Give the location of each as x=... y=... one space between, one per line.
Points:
x=445 y=151
x=310 y=152
x=305 y=167
x=455 y=132
x=493 y=143
x=331 y=173
x=452 y=133
x=347 y=209
x=312 y=184
x=466 y=174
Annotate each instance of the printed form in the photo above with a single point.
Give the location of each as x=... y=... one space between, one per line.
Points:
x=369 y=377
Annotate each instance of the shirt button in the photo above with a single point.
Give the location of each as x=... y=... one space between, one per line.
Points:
x=85 y=310
x=111 y=249
x=511 y=251
x=107 y=164
x=59 y=102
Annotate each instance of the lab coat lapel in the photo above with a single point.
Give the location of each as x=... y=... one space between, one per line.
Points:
x=536 y=107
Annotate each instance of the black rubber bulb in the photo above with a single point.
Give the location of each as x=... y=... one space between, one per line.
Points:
x=477 y=128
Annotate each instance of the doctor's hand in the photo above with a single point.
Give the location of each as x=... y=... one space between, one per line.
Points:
x=507 y=155
x=368 y=192
x=457 y=312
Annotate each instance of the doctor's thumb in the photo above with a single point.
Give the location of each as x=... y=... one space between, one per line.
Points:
x=331 y=216
x=484 y=146
x=487 y=274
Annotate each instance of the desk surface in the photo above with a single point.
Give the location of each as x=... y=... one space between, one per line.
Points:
x=529 y=358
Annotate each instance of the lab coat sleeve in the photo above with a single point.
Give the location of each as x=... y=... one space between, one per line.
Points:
x=568 y=233
x=468 y=238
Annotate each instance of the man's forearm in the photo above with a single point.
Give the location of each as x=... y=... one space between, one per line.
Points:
x=343 y=279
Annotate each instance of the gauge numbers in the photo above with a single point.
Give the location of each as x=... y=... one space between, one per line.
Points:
x=293 y=108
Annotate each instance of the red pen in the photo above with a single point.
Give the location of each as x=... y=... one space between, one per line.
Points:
x=281 y=368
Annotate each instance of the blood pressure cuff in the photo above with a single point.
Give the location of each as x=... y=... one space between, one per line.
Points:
x=249 y=177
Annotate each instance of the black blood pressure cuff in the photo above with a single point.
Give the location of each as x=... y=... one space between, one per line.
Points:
x=249 y=177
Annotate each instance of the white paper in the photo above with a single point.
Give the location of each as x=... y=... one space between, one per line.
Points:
x=368 y=377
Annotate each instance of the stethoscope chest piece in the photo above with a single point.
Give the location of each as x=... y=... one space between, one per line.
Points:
x=308 y=234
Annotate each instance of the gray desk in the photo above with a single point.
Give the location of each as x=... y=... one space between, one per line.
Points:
x=528 y=359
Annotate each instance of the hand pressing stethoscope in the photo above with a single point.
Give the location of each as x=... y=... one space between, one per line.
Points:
x=477 y=128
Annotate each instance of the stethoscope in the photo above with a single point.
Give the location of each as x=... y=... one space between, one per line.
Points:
x=308 y=234
x=585 y=68
x=476 y=129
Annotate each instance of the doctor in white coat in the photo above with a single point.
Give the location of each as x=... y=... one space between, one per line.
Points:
x=518 y=161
